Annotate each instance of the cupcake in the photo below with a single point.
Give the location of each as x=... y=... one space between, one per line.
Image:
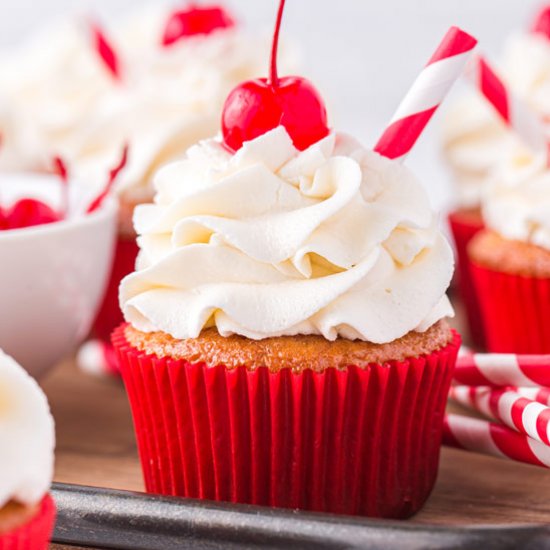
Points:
x=476 y=141
x=511 y=257
x=51 y=86
x=27 y=512
x=285 y=341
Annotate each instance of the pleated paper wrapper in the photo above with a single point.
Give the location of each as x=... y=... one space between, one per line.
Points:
x=34 y=535
x=515 y=311
x=352 y=441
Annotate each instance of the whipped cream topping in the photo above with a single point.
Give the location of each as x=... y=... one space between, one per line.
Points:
x=475 y=140
x=27 y=437
x=167 y=98
x=334 y=240
x=516 y=203
x=50 y=88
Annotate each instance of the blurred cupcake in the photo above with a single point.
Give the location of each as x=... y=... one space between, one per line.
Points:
x=175 y=71
x=27 y=439
x=511 y=258
x=475 y=141
x=286 y=343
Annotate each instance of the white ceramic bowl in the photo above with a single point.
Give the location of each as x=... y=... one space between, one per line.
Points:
x=52 y=277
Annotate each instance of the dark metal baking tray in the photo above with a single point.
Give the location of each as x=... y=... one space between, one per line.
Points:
x=105 y=518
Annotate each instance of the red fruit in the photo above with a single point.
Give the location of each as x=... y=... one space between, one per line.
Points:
x=257 y=106
x=30 y=212
x=542 y=22
x=193 y=21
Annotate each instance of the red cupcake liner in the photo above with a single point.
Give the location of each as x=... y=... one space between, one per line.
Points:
x=515 y=311
x=34 y=535
x=109 y=315
x=464 y=229
x=353 y=441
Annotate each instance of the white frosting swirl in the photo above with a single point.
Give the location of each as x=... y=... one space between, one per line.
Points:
x=334 y=240
x=474 y=142
x=27 y=436
x=516 y=203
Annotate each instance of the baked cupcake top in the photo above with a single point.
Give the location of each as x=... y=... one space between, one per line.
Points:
x=27 y=437
x=516 y=202
x=334 y=240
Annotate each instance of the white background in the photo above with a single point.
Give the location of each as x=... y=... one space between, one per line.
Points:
x=363 y=54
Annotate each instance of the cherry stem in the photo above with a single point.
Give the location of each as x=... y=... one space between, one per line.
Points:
x=274 y=77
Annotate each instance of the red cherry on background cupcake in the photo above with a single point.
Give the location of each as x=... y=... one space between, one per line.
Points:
x=257 y=106
x=195 y=20
x=30 y=212
x=542 y=22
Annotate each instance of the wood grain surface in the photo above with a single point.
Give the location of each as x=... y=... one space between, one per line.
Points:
x=96 y=447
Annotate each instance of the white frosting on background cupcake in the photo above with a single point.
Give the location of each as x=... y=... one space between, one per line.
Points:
x=475 y=140
x=516 y=202
x=27 y=437
x=335 y=240
x=167 y=99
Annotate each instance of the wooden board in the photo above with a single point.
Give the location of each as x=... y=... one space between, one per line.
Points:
x=96 y=447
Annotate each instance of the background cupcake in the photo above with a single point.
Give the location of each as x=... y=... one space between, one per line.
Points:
x=27 y=443
x=476 y=140
x=294 y=335
x=511 y=258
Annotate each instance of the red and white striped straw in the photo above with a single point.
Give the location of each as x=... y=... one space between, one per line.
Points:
x=513 y=410
x=426 y=94
x=503 y=369
x=541 y=23
x=493 y=439
x=540 y=395
x=513 y=112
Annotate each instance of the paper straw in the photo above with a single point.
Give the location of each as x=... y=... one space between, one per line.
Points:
x=426 y=94
x=513 y=410
x=503 y=369
x=513 y=112
x=493 y=439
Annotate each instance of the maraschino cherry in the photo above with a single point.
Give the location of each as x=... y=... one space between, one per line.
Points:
x=195 y=20
x=257 y=106
x=542 y=22
x=31 y=212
